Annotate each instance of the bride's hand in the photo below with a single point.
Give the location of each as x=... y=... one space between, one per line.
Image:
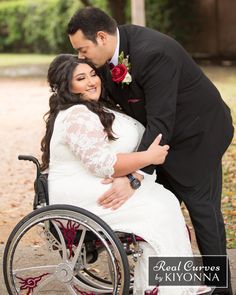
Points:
x=119 y=192
x=157 y=153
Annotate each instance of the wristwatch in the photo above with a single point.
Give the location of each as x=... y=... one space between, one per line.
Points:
x=134 y=182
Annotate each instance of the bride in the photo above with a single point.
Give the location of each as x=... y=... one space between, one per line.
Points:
x=89 y=139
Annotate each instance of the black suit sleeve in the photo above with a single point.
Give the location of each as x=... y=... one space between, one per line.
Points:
x=159 y=81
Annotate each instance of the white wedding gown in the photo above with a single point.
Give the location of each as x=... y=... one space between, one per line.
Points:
x=81 y=156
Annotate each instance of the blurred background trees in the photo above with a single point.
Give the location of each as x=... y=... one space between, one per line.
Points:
x=40 y=26
x=204 y=27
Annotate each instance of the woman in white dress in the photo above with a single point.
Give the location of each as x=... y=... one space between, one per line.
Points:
x=88 y=139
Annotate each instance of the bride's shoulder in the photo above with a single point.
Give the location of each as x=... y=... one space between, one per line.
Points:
x=80 y=113
x=78 y=110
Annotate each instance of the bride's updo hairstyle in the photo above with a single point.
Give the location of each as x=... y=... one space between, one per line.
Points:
x=59 y=77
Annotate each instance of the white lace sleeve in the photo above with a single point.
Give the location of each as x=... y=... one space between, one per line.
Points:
x=85 y=135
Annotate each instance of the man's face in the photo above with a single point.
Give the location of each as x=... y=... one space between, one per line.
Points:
x=93 y=52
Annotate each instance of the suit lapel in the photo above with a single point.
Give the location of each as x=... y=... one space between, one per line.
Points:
x=124 y=44
x=122 y=91
x=129 y=97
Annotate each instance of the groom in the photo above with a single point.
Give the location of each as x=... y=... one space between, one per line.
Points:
x=155 y=81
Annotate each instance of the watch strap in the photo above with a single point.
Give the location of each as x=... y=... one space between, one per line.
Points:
x=130 y=177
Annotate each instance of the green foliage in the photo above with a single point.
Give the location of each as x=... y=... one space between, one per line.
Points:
x=175 y=18
x=102 y=4
x=40 y=27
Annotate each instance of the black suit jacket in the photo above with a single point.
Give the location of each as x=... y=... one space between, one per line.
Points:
x=169 y=94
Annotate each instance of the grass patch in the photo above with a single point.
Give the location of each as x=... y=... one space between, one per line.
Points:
x=11 y=59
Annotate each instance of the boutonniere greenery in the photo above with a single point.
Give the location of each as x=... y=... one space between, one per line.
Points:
x=120 y=73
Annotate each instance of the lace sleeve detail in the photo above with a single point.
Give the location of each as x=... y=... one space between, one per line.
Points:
x=84 y=133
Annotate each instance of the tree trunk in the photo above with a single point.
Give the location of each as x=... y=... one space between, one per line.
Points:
x=138 y=12
x=118 y=10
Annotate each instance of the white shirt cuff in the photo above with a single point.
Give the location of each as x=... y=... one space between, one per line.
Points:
x=141 y=172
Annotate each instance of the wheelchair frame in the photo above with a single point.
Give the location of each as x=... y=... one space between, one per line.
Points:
x=77 y=240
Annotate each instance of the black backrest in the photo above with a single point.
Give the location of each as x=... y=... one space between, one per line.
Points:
x=40 y=184
x=41 y=191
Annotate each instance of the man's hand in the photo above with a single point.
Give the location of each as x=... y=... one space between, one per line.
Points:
x=118 y=194
x=156 y=152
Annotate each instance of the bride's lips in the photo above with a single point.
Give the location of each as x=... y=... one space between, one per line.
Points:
x=92 y=89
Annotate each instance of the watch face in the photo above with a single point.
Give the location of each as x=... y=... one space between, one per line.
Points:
x=135 y=183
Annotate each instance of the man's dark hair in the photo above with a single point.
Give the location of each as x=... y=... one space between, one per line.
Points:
x=90 y=20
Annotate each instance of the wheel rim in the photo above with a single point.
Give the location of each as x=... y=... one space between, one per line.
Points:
x=70 y=271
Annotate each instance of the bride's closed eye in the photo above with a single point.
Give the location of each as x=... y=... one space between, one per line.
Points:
x=80 y=78
x=93 y=74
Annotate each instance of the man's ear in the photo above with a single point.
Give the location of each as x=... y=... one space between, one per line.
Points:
x=102 y=37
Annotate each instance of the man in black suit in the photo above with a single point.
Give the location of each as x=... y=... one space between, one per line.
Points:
x=169 y=94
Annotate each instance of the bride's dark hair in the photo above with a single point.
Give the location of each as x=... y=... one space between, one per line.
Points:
x=59 y=77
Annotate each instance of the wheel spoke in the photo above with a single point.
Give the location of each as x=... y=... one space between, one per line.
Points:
x=62 y=240
x=51 y=268
x=78 y=249
x=71 y=290
x=100 y=290
x=92 y=282
x=44 y=283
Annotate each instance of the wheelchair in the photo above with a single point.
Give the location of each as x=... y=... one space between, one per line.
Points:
x=63 y=249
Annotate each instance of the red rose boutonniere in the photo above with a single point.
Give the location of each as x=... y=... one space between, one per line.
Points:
x=120 y=73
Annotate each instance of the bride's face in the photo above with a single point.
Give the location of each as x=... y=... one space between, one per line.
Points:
x=86 y=81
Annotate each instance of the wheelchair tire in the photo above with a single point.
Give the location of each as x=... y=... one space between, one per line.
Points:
x=35 y=260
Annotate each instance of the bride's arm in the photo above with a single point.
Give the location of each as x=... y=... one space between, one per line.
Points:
x=85 y=136
x=127 y=163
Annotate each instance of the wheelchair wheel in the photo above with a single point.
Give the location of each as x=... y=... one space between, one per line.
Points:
x=62 y=249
